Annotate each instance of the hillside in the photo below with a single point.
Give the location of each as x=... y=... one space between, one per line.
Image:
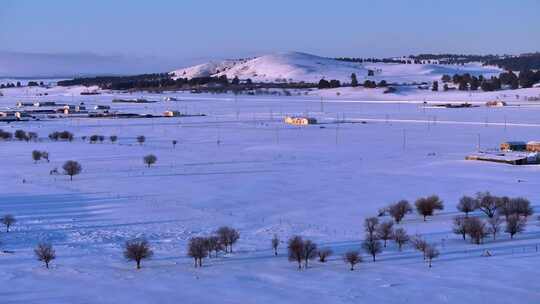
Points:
x=296 y=66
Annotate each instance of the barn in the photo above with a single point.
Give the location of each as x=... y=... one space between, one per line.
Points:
x=514 y=146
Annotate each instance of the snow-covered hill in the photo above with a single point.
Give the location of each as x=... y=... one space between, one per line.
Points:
x=296 y=66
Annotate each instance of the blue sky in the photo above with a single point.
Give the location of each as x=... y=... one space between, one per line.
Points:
x=193 y=30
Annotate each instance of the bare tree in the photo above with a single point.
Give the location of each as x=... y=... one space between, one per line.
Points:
x=72 y=168
x=324 y=254
x=514 y=225
x=45 y=253
x=399 y=210
x=400 y=237
x=431 y=253
x=137 y=250
x=310 y=252
x=141 y=139
x=213 y=244
x=385 y=231
x=494 y=223
x=476 y=229
x=275 y=244
x=519 y=205
x=460 y=226
x=427 y=205
x=296 y=250
x=420 y=244
x=228 y=237
x=372 y=246
x=45 y=155
x=523 y=206
x=370 y=226
x=150 y=159
x=36 y=156
x=467 y=204
x=352 y=258
x=8 y=220
x=488 y=203
x=197 y=249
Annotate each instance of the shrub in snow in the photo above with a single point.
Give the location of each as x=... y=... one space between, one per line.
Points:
x=476 y=229
x=370 y=226
x=431 y=253
x=352 y=258
x=399 y=210
x=150 y=159
x=426 y=206
x=228 y=237
x=385 y=231
x=515 y=224
x=198 y=250
x=310 y=252
x=324 y=254
x=36 y=156
x=296 y=250
x=45 y=253
x=372 y=246
x=141 y=139
x=137 y=250
x=467 y=204
x=401 y=237
x=275 y=244
x=488 y=203
x=8 y=220
x=72 y=168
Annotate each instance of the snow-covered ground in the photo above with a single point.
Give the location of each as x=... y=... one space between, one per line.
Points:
x=296 y=66
x=265 y=178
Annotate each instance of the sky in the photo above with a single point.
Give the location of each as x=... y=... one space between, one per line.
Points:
x=180 y=32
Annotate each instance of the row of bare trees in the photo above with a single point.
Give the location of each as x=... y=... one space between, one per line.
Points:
x=492 y=205
x=425 y=206
x=223 y=239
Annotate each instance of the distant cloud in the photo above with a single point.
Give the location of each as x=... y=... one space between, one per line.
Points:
x=19 y=64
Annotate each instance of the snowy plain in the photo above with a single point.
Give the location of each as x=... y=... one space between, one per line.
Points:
x=265 y=178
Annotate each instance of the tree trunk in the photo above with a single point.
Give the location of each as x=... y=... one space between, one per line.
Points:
x=429 y=263
x=352 y=267
x=385 y=243
x=424 y=218
x=373 y=257
x=138 y=264
x=47 y=265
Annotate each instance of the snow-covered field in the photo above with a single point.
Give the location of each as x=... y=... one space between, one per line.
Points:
x=265 y=178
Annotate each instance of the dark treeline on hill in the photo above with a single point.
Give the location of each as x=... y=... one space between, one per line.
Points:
x=166 y=82
x=521 y=62
x=518 y=63
x=465 y=82
x=376 y=60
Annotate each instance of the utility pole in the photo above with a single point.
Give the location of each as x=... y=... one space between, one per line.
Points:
x=404 y=138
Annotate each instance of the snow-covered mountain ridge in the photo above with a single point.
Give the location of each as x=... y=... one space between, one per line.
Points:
x=297 y=66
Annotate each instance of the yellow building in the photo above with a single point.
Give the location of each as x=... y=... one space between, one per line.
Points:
x=300 y=121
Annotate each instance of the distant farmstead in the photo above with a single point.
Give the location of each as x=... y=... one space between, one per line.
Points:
x=514 y=146
x=533 y=146
x=496 y=103
x=300 y=121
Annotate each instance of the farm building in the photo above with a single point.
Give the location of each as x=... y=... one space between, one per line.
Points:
x=512 y=158
x=21 y=104
x=514 y=146
x=171 y=113
x=495 y=103
x=300 y=121
x=533 y=146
